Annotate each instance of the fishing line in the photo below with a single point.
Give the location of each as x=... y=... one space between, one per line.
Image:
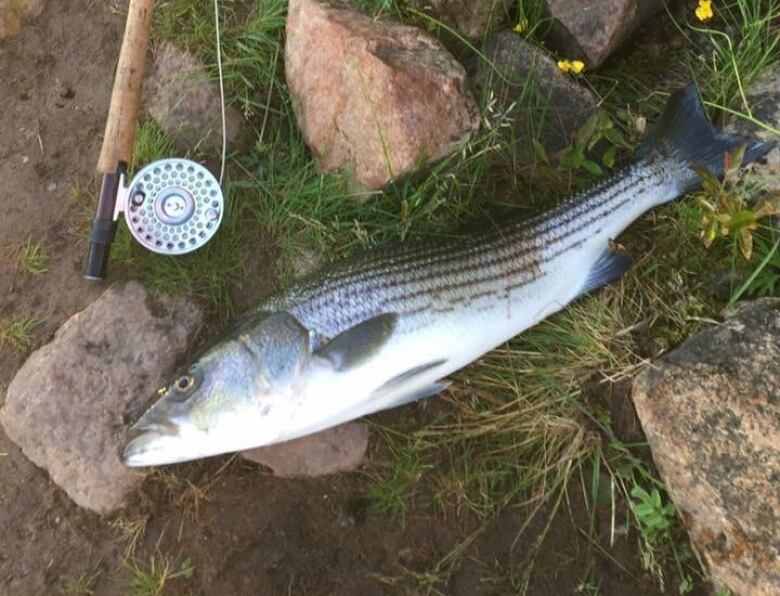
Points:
x=221 y=92
x=171 y=206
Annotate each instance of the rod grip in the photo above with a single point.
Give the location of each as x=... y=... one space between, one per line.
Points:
x=99 y=248
x=103 y=226
x=128 y=82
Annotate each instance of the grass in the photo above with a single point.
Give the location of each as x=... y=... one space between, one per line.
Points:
x=83 y=585
x=17 y=333
x=130 y=533
x=34 y=257
x=739 y=45
x=518 y=428
x=148 y=579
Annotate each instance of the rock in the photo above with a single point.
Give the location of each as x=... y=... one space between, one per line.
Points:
x=711 y=413
x=65 y=406
x=184 y=102
x=373 y=97
x=592 y=29
x=473 y=18
x=13 y=11
x=549 y=105
x=338 y=449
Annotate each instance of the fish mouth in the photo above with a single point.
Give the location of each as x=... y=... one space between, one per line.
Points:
x=145 y=445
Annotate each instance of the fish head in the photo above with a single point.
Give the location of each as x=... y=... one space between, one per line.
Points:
x=238 y=394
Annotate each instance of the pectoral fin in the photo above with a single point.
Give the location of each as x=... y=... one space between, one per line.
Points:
x=357 y=344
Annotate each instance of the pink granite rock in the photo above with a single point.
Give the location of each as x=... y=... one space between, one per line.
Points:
x=338 y=449
x=65 y=406
x=592 y=29
x=711 y=413
x=373 y=97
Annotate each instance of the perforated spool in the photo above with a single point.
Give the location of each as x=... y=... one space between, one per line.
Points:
x=174 y=206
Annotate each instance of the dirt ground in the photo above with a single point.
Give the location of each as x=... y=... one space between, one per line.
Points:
x=244 y=531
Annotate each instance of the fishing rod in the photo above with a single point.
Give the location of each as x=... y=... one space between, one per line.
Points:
x=171 y=206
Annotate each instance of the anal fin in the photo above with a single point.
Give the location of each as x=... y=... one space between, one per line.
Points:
x=401 y=398
x=611 y=265
x=406 y=388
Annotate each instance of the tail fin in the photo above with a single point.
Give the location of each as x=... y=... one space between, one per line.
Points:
x=684 y=134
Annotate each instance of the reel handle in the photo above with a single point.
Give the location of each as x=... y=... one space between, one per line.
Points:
x=120 y=131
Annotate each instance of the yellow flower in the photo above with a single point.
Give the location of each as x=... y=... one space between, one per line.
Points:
x=704 y=10
x=522 y=25
x=574 y=67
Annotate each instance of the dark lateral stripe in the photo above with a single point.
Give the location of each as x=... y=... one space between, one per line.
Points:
x=416 y=278
x=418 y=264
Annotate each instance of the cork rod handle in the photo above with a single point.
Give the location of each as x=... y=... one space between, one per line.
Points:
x=126 y=95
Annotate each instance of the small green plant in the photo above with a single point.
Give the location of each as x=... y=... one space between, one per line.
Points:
x=18 y=333
x=34 y=257
x=83 y=585
x=653 y=516
x=148 y=580
x=601 y=134
x=186 y=569
x=725 y=206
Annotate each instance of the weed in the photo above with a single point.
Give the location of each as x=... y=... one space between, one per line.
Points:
x=148 y=580
x=653 y=516
x=598 y=130
x=186 y=569
x=18 y=333
x=725 y=206
x=34 y=257
x=83 y=585
x=130 y=533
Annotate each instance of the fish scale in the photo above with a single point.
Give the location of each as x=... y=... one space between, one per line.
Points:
x=387 y=327
x=420 y=279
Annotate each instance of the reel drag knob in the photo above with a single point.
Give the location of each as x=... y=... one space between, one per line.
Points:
x=174 y=206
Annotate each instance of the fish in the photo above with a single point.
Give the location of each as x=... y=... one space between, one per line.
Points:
x=387 y=327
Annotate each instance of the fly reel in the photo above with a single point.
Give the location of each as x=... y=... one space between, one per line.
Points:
x=172 y=206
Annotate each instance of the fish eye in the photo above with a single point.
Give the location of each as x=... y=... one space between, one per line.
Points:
x=184 y=384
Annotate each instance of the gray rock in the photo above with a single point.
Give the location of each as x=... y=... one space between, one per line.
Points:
x=549 y=105
x=13 y=11
x=592 y=29
x=373 y=97
x=338 y=449
x=184 y=102
x=711 y=413
x=473 y=18
x=65 y=406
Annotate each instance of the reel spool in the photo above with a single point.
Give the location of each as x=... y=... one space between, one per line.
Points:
x=172 y=206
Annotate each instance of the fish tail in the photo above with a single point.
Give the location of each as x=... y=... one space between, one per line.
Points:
x=683 y=135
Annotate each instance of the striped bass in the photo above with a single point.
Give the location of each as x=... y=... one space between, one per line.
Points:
x=387 y=327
